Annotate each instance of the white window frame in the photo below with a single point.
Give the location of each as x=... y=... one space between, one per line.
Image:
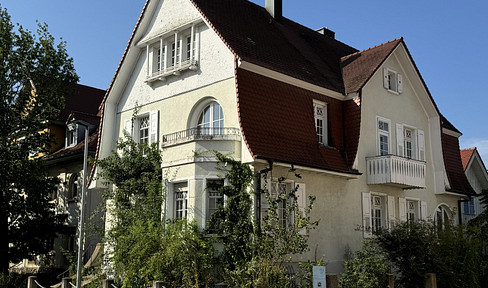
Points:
x=208 y=197
x=132 y=127
x=71 y=135
x=392 y=81
x=175 y=200
x=172 y=60
x=382 y=132
x=273 y=185
x=210 y=128
x=320 y=115
x=387 y=211
x=417 y=141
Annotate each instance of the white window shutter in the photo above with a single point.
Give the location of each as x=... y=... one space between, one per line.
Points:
x=423 y=210
x=421 y=144
x=367 y=214
x=386 y=83
x=391 y=211
x=128 y=127
x=399 y=136
x=154 y=126
x=402 y=209
x=399 y=83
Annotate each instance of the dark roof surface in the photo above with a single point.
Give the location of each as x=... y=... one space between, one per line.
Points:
x=285 y=46
x=75 y=150
x=448 y=125
x=83 y=99
x=454 y=167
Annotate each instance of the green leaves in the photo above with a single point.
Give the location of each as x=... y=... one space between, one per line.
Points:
x=35 y=76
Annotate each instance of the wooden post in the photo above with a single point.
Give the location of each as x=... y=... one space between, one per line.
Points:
x=107 y=283
x=31 y=283
x=65 y=282
x=431 y=281
x=391 y=281
x=158 y=284
x=332 y=281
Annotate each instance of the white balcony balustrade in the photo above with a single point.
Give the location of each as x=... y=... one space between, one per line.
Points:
x=396 y=170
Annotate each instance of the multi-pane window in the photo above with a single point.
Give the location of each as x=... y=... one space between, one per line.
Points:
x=412 y=210
x=384 y=137
x=408 y=143
x=71 y=135
x=377 y=214
x=469 y=207
x=279 y=192
x=320 y=116
x=392 y=81
x=215 y=197
x=211 y=120
x=181 y=200
x=144 y=129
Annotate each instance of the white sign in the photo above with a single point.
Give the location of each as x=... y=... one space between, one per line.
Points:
x=319 y=277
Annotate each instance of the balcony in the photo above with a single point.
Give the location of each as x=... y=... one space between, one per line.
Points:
x=172 y=70
x=390 y=169
x=201 y=133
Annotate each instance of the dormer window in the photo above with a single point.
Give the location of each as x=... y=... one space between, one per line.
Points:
x=71 y=135
x=320 y=116
x=392 y=81
x=172 y=52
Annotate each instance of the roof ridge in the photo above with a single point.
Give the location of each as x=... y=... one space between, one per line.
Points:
x=371 y=48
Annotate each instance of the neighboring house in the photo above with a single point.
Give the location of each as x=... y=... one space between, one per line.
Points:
x=360 y=128
x=478 y=178
x=66 y=162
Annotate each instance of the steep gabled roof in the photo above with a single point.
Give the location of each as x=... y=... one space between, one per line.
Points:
x=466 y=155
x=359 y=67
x=84 y=99
x=283 y=46
x=453 y=163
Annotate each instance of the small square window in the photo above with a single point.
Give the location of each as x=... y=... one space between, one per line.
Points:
x=392 y=81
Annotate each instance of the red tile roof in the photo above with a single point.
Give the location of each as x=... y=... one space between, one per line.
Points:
x=358 y=68
x=454 y=167
x=285 y=46
x=277 y=123
x=466 y=155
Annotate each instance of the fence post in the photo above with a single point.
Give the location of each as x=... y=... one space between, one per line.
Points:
x=331 y=281
x=31 y=282
x=431 y=281
x=158 y=284
x=65 y=282
x=391 y=281
x=107 y=283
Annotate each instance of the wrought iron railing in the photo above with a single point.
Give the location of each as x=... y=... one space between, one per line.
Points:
x=200 y=133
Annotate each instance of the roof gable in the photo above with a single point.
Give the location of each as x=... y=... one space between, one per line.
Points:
x=285 y=46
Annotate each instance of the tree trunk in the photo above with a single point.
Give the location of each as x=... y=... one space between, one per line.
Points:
x=4 y=257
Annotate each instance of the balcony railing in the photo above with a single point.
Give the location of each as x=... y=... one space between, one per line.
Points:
x=173 y=70
x=201 y=133
x=391 y=169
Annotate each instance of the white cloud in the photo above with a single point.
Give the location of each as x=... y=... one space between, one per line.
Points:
x=480 y=144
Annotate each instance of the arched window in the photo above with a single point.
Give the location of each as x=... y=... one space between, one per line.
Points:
x=211 y=120
x=74 y=186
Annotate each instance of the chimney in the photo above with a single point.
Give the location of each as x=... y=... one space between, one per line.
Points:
x=326 y=32
x=275 y=8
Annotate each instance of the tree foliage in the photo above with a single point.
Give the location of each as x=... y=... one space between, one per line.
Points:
x=144 y=247
x=255 y=254
x=35 y=75
x=453 y=253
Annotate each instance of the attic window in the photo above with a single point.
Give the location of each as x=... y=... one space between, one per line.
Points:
x=71 y=135
x=320 y=116
x=392 y=81
x=171 y=53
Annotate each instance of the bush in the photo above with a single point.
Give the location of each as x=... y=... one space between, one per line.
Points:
x=12 y=280
x=366 y=268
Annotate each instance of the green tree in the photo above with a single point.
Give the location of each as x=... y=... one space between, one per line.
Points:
x=35 y=74
x=144 y=247
x=254 y=255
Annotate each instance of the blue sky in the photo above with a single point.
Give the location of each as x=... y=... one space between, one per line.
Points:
x=447 y=39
